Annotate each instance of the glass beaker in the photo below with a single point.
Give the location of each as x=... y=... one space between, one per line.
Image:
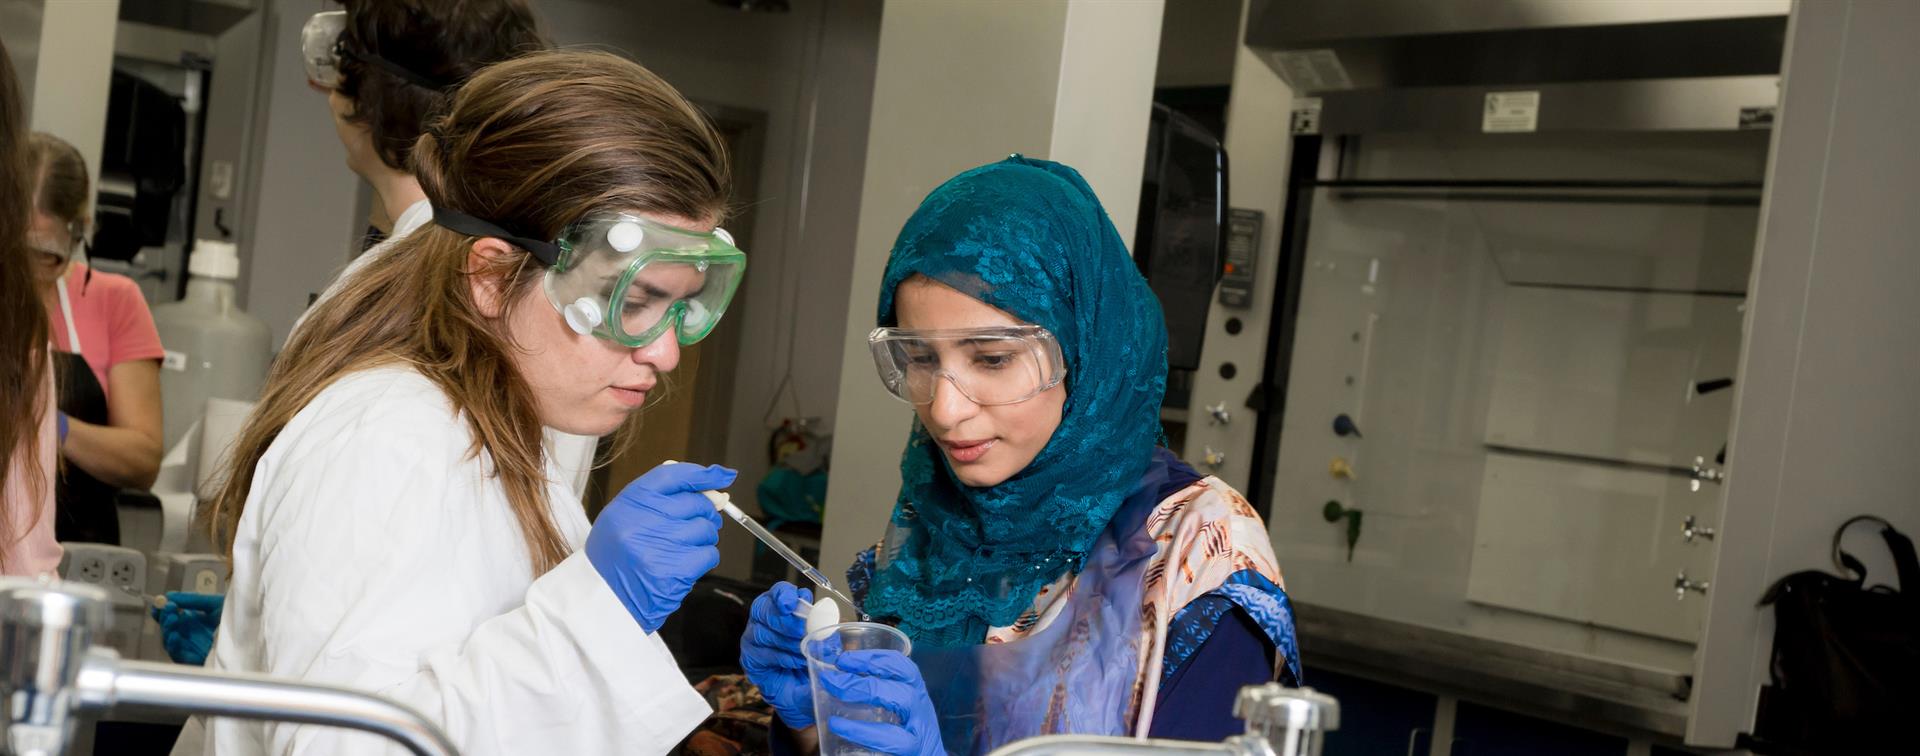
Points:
x=821 y=647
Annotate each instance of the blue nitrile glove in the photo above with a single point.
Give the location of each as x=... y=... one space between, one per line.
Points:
x=770 y=653
x=187 y=624
x=657 y=537
x=890 y=680
x=62 y=424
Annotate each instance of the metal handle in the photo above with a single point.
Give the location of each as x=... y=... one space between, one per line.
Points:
x=1218 y=414
x=1681 y=585
x=1213 y=459
x=1690 y=531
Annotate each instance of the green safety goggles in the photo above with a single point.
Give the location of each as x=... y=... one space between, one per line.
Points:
x=627 y=279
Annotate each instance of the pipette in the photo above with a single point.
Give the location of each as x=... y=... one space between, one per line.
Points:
x=724 y=503
x=726 y=506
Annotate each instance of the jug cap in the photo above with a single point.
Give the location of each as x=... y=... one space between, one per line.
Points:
x=214 y=259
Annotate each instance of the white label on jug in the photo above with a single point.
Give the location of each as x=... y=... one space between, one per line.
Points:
x=174 y=360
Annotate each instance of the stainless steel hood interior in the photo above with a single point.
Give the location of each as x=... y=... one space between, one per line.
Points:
x=208 y=17
x=1398 y=65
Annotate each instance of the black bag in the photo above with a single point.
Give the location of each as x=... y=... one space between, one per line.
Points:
x=1846 y=657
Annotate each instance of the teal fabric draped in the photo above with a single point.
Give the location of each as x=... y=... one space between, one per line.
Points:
x=1029 y=237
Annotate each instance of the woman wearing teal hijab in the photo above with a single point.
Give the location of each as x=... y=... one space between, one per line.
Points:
x=1057 y=570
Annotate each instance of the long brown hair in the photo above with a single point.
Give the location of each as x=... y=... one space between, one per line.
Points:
x=531 y=144
x=23 y=318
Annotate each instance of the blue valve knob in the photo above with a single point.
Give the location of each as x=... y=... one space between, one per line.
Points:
x=1343 y=426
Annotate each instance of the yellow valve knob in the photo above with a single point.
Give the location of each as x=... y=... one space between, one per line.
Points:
x=1341 y=468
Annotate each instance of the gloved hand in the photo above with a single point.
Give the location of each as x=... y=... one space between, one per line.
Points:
x=187 y=623
x=657 y=537
x=770 y=653
x=890 y=680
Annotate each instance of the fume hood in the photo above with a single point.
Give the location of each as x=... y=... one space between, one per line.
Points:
x=1513 y=259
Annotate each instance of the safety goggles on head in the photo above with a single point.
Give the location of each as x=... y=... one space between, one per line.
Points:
x=323 y=43
x=989 y=366
x=627 y=279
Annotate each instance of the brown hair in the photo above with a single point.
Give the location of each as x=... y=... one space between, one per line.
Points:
x=23 y=338
x=532 y=144
x=61 y=174
x=445 y=41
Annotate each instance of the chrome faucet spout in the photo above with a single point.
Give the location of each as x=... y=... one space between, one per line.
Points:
x=51 y=673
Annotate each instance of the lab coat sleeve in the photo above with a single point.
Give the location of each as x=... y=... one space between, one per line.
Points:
x=368 y=536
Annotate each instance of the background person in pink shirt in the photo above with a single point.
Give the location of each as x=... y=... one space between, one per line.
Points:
x=27 y=546
x=107 y=353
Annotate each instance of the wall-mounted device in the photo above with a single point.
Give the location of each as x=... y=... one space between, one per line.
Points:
x=1243 y=242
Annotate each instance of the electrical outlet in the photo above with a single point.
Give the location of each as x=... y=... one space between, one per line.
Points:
x=93 y=570
x=123 y=574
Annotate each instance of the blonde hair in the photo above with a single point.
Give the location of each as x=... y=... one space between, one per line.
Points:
x=531 y=144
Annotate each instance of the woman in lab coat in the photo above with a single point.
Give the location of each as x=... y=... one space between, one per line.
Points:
x=1057 y=571
x=393 y=522
x=385 y=68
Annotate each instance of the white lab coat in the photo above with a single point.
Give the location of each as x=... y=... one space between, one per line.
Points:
x=573 y=453
x=375 y=553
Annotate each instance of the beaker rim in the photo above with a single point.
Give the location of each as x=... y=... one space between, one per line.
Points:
x=821 y=634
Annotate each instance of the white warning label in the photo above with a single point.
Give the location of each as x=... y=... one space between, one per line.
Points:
x=1511 y=112
x=174 y=360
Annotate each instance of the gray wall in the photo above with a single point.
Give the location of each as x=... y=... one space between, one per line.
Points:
x=20 y=30
x=301 y=222
x=73 y=74
x=1198 y=39
x=1825 y=423
x=231 y=119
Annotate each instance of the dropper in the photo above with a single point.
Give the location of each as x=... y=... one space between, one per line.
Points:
x=724 y=503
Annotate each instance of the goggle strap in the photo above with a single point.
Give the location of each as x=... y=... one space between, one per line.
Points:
x=453 y=220
x=402 y=72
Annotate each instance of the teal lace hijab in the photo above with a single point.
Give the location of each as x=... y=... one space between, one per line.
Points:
x=1030 y=238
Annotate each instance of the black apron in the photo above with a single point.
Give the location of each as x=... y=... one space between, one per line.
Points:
x=85 y=509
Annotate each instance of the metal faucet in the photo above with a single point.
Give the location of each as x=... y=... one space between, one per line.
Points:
x=51 y=674
x=1280 y=722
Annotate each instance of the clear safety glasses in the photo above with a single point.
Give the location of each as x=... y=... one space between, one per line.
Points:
x=628 y=279
x=988 y=365
x=323 y=44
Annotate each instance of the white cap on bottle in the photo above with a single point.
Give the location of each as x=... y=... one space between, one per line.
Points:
x=214 y=259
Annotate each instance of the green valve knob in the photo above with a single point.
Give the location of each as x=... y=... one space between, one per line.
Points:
x=1334 y=512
